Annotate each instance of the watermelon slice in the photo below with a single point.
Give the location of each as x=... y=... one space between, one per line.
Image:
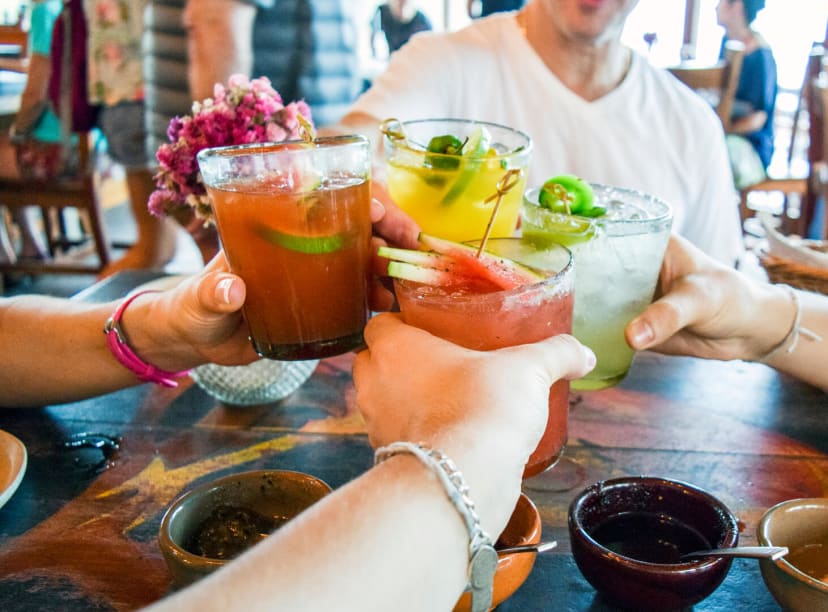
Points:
x=443 y=262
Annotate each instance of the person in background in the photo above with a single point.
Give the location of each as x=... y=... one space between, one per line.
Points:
x=35 y=120
x=167 y=95
x=307 y=48
x=116 y=82
x=751 y=134
x=557 y=70
x=483 y=8
x=397 y=21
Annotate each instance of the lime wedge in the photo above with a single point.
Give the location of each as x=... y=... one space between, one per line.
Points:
x=474 y=152
x=562 y=228
x=312 y=245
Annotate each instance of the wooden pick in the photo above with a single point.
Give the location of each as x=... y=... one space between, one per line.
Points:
x=506 y=183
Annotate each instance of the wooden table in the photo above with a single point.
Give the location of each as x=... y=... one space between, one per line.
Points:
x=80 y=532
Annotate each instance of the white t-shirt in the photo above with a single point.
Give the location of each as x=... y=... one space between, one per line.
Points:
x=651 y=133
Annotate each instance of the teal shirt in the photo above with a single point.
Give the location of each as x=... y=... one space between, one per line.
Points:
x=43 y=17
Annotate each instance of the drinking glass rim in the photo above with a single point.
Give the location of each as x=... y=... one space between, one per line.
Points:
x=565 y=271
x=522 y=150
x=530 y=199
x=321 y=142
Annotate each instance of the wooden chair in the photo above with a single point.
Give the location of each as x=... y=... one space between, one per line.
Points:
x=797 y=190
x=53 y=197
x=74 y=188
x=717 y=82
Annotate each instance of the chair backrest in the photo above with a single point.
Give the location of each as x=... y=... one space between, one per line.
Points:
x=717 y=82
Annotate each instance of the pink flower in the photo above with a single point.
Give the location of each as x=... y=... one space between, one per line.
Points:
x=244 y=111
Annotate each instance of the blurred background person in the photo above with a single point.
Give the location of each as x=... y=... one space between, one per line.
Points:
x=35 y=125
x=750 y=141
x=115 y=28
x=167 y=95
x=307 y=48
x=395 y=22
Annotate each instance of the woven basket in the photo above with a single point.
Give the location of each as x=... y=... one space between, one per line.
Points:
x=795 y=274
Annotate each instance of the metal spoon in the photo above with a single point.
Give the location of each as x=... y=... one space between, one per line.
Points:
x=749 y=552
x=542 y=547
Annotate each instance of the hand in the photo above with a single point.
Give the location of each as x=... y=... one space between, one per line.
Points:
x=391 y=225
x=200 y=320
x=705 y=309
x=414 y=386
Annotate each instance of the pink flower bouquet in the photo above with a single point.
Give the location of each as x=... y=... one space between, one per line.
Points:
x=244 y=112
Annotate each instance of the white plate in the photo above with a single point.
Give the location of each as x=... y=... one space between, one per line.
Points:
x=13 y=459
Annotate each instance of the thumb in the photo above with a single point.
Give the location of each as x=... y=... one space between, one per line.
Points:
x=559 y=357
x=662 y=319
x=221 y=293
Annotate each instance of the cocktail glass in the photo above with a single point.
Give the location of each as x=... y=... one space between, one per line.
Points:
x=618 y=257
x=505 y=318
x=450 y=196
x=293 y=219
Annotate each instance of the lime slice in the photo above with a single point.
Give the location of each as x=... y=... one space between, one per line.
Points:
x=562 y=228
x=312 y=245
x=474 y=152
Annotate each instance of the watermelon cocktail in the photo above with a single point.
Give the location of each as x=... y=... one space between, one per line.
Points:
x=618 y=255
x=443 y=173
x=294 y=223
x=491 y=303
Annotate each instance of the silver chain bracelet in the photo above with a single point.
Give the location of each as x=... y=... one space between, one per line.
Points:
x=482 y=555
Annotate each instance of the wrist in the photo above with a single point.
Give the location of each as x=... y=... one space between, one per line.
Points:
x=131 y=349
x=493 y=468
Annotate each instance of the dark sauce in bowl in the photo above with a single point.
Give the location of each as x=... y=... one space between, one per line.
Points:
x=648 y=536
x=229 y=531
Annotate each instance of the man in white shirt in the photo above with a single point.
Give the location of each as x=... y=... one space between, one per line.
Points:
x=558 y=71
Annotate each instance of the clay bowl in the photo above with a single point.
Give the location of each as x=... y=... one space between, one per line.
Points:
x=796 y=524
x=626 y=535
x=200 y=519
x=524 y=528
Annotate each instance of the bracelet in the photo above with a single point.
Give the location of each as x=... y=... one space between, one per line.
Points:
x=118 y=344
x=482 y=555
x=791 y=339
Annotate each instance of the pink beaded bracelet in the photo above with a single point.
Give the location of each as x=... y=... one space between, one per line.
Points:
x=116 y=340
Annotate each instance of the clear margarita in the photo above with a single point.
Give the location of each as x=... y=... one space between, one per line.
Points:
x=617 y=258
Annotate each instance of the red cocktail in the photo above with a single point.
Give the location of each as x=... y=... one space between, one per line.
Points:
x=294 y=223
x=473 y=317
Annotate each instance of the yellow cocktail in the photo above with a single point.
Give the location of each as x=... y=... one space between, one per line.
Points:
x=452 y=194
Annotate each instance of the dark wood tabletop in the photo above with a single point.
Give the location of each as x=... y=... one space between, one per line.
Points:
x=80 y=532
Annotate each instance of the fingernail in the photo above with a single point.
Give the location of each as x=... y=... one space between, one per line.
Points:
x=590 y=357
x=642 y=334
x=223 y=289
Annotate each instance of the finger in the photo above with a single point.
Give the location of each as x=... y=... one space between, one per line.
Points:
x=381 y=326
x=395 y=226
x=377 y=210
x=559 y=357
x=381 y=298
x=664 y=318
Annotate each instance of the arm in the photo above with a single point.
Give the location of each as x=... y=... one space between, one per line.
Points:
x=376 y=542
x=711 y=311
x=53 y=350
x=219 y=42
x=34 y=94
x=749 y=123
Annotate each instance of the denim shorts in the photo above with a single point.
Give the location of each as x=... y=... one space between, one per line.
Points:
x=123 y=127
